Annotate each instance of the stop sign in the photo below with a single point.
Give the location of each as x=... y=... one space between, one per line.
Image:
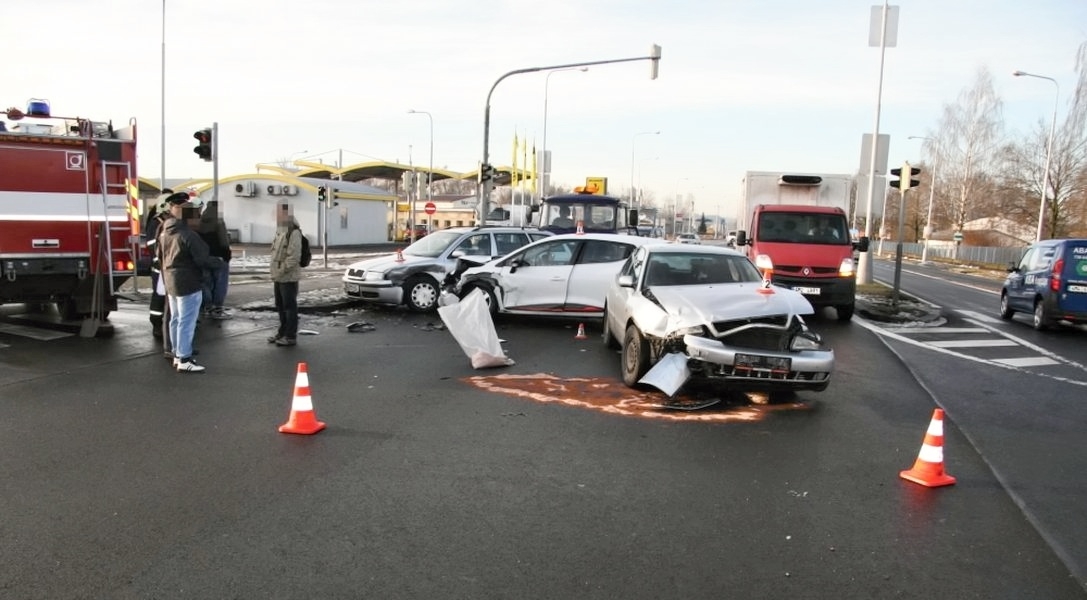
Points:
x=430 y=208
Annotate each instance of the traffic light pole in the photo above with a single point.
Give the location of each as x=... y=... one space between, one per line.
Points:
x=486 y=171
x=215 y=166
x=898 y=246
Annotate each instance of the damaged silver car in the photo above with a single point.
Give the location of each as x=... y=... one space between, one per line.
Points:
x=711 y=306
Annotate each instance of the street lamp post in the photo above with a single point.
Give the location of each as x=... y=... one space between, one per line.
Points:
x=545 y=171
x=1048 y=152
x=931 y=197
x=430 y=172
x=485 y=168
x=634 y=201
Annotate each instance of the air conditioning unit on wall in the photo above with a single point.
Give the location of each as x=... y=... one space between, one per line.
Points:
x=290 y=190
x=275 y=190
x=245 y=189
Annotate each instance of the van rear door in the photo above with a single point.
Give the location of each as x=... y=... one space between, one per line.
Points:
x=1073 y=296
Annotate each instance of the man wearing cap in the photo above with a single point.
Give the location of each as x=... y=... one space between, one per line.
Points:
x=183 y=256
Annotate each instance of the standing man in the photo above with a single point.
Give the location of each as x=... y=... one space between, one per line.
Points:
x=184 y=256
x=213 y=232
x=286 y=271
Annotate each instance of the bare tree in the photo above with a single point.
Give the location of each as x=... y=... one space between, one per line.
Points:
x=1024 y=166
x=967 y=143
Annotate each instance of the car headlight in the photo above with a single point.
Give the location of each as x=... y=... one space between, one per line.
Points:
x=806 y=340
x=373 y=276
x=694 y=330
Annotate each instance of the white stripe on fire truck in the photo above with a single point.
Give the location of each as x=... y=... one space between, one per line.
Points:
x=48 y=206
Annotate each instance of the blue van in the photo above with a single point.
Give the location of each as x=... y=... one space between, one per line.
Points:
x=1050 y=282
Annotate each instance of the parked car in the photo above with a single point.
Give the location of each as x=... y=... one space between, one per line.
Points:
x=1050 y=282
x=688 y=238
x=564 y=275
x=709 y=303
x=414 y=277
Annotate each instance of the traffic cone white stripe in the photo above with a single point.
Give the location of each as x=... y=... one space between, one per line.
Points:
x=936 y=427
x=931 y=454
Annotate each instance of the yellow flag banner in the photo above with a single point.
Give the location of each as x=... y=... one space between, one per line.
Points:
x=513 y=168
x=534 y=183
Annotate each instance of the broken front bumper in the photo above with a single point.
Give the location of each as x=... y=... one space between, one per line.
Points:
x=805 y=370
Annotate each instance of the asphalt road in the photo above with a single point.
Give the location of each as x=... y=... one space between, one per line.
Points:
x=544 y=479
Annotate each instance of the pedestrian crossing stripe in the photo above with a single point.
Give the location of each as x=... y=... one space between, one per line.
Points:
x=973 y=343
x=1027 y=361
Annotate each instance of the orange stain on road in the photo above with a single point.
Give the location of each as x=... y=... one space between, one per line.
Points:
x=611 y=396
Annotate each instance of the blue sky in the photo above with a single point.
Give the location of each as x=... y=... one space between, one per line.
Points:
x=743 y=85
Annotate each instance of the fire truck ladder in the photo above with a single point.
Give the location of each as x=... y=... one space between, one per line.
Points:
x=112 y=210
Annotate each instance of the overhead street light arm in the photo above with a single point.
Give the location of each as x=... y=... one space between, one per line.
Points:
x=1048 y=152
x=485 y=184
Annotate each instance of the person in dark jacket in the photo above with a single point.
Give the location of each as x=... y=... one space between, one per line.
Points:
x=213 y=232
x=184 y=256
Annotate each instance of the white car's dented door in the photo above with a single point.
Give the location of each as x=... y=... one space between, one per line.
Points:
x=536 y=278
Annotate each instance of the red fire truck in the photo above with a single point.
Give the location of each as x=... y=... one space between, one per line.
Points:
x=69 y=210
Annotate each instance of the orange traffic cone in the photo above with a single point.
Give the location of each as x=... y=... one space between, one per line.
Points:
x=767 y=281
x=399 y=255
x=928 y=469
x=302 y=420
x=581 y=228
x=581 y=332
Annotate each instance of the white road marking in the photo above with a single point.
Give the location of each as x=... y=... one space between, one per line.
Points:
x=940 y=330
x=973 y=343
x=887 y=333
x=970 y=314
x=1027 y=361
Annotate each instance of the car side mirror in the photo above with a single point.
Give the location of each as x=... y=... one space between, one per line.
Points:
x=626 y=281
x=741 y=238
x=1012 y=267
x=457 y=254
x=862 y=244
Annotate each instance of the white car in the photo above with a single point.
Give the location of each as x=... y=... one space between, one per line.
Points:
x=563 y=275
x=711 y=304
x=688 y=238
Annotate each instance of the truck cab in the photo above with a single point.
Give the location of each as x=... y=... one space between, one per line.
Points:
x=807 y=249
x=593 y=213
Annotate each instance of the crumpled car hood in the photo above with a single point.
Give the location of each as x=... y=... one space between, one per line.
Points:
x=698 y=305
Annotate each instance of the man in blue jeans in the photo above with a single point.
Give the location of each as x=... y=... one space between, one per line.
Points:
x=183 y=256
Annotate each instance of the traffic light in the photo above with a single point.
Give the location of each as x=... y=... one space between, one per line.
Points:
x=908 y=182
x=203 y=146
x=322 y=194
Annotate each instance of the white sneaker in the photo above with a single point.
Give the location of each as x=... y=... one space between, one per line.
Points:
x=189 y=366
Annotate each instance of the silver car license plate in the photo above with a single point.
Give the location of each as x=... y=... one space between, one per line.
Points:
x=762 y=366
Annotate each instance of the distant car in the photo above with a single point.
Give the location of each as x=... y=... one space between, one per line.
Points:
x=414 y=279
x=1049 y=282
x=420 y=232
x=564 y=275
x=708 y=303
x=688 y=238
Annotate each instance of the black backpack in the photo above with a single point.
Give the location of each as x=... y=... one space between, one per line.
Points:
x=307 y=256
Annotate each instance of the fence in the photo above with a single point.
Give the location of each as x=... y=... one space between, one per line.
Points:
x=995 y=256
